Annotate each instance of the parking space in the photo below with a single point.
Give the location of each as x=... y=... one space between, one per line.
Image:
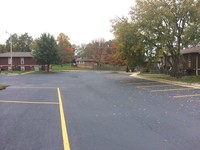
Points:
x=34 y=116
x=174 y=91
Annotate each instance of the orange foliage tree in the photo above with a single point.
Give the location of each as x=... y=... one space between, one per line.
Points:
x=115 y=57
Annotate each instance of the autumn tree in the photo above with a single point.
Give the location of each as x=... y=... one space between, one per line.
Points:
x=114 y=56
x=129 y=42
x=45 y=50
x=99 y=50
x=65 y=49
x=168 y=26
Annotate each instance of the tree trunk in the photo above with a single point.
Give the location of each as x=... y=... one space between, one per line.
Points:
x=48 y=67
x=177 y=70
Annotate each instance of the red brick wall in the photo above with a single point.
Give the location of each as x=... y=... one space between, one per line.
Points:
x=28 y=63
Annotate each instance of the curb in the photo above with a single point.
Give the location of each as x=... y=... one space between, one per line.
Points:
x=184 y=84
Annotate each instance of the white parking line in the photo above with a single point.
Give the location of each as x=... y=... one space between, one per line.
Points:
x=183 y=96
x=150 y=86
x=176 y=89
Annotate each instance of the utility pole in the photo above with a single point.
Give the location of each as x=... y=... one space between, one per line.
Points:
x=11 y=56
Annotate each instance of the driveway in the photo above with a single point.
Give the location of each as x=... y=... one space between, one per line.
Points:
x=102 y=111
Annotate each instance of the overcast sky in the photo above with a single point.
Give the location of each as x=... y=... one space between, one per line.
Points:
x=81 y=20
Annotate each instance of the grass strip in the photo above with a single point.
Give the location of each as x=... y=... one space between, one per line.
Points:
x=186 y=79
x=2 y=86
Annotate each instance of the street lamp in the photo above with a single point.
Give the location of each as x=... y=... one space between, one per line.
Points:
x=11 y=57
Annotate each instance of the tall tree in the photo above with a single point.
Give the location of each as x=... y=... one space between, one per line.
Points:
x=24 y=42
x=45 y=52
x=65 y=49
x=99 y=50
x=20 y=43
x=168 y=26
x=128 y=42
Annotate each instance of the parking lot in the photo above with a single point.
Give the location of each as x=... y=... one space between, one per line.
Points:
x=85 y=110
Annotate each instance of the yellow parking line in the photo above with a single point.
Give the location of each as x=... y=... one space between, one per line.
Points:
x=150 y=86
x=28 y=102
x=63 y=123
x=166 y=90
x=192 y=95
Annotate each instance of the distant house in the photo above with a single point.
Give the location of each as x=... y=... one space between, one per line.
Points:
x=86 y=63
x=192 y=60
x=21 y=61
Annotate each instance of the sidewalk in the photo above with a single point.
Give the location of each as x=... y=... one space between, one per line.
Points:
x=184 y=84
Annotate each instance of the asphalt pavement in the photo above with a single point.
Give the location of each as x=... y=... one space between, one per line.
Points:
x=102 y=110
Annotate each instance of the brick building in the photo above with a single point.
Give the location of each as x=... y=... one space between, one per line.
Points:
x=20 y=61
x=86 y=63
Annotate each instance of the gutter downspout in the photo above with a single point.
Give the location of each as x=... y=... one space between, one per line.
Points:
x=197 y=63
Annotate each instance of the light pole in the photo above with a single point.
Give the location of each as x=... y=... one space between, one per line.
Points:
x=11 y=57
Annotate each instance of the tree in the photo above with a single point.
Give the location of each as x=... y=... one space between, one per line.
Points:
x=45 y=50
x=128 y=42
x=168 y=26
x=2 y=48
x=65 y=49
x=24 y=42
x=15 y=47
x=114 y=57
x=99 y=50
x=79 y=49
x=20 y=43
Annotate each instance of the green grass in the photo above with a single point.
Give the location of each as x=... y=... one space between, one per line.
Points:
x=58 y=68
x=13 y=72
x=65 y=67
x=187 y=79
x=2 y=86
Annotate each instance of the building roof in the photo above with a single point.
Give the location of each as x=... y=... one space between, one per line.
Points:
x=86 y=59
x=191 y=50
x=16 y=54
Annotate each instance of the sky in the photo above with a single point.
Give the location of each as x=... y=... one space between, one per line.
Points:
x=81 y=20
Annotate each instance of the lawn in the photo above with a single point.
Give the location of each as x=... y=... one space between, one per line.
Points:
x=187 y=79
x=2 y=86
x=12 y=72
x=58 y=68
x=65 y=67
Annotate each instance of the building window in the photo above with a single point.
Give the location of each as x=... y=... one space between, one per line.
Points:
x=9 y=61
x=22 y=68
x=81 y=62
x=189 y=61
x=22 y=60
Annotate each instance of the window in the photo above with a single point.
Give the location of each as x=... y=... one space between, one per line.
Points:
x=189 y=61
x=9 y=61
x=81 y=62
x=22 y=68
x=22 y=60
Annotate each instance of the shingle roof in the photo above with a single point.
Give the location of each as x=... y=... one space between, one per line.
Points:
x=191 y=50
x=16 y=54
